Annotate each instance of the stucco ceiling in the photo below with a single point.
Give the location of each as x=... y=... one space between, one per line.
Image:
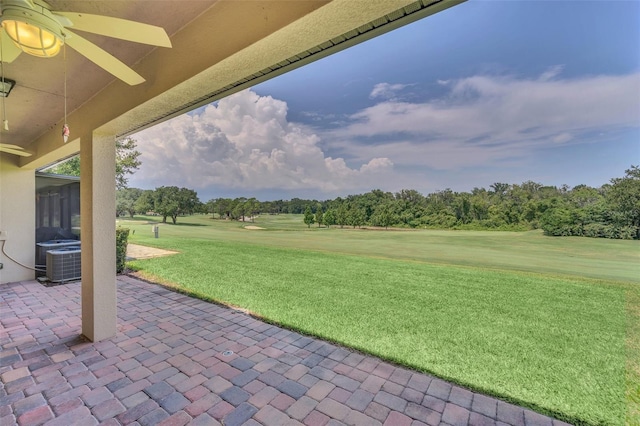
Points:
x=36 y=103
x=219 y=46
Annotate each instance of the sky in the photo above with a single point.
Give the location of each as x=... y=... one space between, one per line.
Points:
x=484 y=92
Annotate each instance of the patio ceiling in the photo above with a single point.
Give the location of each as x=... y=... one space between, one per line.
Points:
x=219 y=47
x=36 y=103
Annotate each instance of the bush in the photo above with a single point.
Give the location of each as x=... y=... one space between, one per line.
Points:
x=598 y=230
x=607 y=230
x=122 y=237
x=558 y=222
x=626 y=232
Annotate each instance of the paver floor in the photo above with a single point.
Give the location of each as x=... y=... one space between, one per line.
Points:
x=177 y=360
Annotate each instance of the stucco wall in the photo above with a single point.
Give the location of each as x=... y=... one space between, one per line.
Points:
x=17 y=219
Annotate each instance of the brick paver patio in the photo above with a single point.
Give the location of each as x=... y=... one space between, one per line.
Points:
x=178 y=360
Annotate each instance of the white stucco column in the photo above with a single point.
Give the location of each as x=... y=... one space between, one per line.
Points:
x=98 y=235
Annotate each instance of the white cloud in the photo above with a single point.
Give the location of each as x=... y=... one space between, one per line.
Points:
x=551 y=73
x=386 y=90
x=487 y=119
x=562 y=137
x=245 y=142
x=315 y=116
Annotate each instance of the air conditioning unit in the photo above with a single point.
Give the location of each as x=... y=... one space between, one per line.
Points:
x=43 y=247
x=63 y=264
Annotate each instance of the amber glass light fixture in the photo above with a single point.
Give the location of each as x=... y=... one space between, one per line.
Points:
x=36 y=32
x=32 y=39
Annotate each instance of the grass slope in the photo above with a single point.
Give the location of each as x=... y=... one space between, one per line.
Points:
x=555 y=344
x=522 y=251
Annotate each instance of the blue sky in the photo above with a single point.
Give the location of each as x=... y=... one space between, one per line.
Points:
x=484 y=92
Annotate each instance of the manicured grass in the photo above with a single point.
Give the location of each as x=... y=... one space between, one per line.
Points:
x=521 y=251
x=560 y=345
x=633 y=358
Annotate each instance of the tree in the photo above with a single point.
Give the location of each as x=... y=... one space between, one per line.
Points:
x=252 y=206
x=165 y=202
x=171 y=201
x=189 y=202
x=308 y=217
x=384 y=215
x=144 y=203
x=329 y=218
x=499 y=188
x=126 y=199
x=410 y=197
x=240 y=208
x=222 y=206
x=582 y=196
x=480 y=204
x=462 y=208
x=296 y=206
x=558 y=222
x=356 y=216
x=342 y=215
x=319 y=217
x=69 y=167
x=200 y=207
x=211 y=206
x=624 y=198
x=127 y=162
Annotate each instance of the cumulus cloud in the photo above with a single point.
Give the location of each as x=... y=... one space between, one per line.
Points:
x=485 y=119
x=245 y=141
x=386 y=90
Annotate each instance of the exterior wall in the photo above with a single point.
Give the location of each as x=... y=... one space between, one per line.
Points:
x=17 y=219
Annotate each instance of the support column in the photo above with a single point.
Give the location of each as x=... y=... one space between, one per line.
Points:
x=98 y=235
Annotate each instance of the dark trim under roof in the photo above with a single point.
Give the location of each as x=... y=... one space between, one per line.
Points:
x=45 y=180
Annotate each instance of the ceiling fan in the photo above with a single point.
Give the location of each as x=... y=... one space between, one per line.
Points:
x=31 y=26
x=14 y=149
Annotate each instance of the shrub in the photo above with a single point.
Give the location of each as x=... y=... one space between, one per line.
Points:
x=597 y=230
x=122 y=237
x=558 y=223
x=607 y=230
x=626 y=232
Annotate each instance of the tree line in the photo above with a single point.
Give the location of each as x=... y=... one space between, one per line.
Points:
x=610 y=211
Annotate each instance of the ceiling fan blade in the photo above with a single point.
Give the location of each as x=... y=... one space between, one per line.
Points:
x=27 y=3
x=103 y=59
x=118 y=28
x=9 y=50
x=19 y=152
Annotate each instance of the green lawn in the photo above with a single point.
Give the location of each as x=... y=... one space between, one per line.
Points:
x=465 y=306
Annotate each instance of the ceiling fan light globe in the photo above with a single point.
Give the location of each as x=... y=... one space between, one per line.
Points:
x=32 y=39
